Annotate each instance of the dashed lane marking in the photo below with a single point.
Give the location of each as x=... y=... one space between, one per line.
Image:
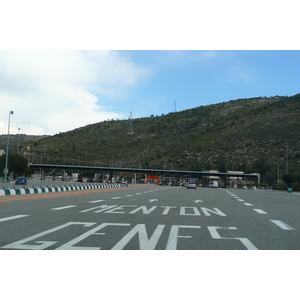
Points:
x=248 y=204
x=12 y=218
x=260 y=211
x=95 y=201
x=282 y=225
x=63 y=207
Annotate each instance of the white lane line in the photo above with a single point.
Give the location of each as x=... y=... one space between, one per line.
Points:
x=12 y=218
x=115 y=198
x=282 y=225
x=138 y=193
x=260 y=211
x=240 y=200
x=95 y=201
x=63 y=207
x=151 y=200
x=128 y=195
x=248 y=204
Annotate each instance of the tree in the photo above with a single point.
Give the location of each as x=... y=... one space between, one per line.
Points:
x=288 y=179
x=16 y=163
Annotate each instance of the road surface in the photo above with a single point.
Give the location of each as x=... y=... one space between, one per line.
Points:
x=151 y=218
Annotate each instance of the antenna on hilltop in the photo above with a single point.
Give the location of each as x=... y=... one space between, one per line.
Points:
x=130 y=131
x=175 y=106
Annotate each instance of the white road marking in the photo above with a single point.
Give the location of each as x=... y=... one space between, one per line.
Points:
x=95 y=201
x=173 y=237
x=145 y=242
x=215 y=235
x=152 y=200
x=128 y=195
x=260 y=211
x=282 y=225
x=240 y=200
x=197 y=201
x=63 y=207
x=40 y=245
x=70 y=245
x=138 y=193
x=91 y=208
x=12 y=218
x=115 y=198
x=248 y=204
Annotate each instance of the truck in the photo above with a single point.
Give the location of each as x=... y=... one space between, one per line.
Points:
x=213 y=184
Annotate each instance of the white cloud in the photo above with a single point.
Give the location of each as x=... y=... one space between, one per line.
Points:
x=239 y=74
x=53 y=91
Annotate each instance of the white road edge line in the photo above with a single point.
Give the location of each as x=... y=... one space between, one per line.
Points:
x=282 y=225
x=12 y=218
x=63 y=207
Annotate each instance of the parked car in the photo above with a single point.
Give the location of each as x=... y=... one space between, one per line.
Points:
x=21 y=180
x=191 y=185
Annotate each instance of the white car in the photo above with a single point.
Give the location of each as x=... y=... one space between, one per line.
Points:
x=191 y=185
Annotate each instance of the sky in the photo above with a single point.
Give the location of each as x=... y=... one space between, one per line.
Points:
x=55 y=79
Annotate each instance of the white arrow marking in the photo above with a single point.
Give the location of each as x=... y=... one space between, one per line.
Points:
x=197 y=201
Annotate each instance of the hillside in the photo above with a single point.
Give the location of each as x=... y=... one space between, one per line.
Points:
x=14 y=140
x=235 y=134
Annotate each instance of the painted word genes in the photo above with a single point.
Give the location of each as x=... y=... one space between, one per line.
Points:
x=119 y=236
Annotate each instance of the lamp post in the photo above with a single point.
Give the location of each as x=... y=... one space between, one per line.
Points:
x=6 y=159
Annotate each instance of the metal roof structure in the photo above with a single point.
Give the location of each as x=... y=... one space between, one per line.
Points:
x=148 y=171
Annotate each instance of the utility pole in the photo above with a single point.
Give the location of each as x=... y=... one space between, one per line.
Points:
x=130 y=124
x=18 y=140
x=287 y=159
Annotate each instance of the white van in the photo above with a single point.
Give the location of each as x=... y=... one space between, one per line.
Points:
x=213 y=184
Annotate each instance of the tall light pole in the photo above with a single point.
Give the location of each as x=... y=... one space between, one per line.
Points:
x=6 y=159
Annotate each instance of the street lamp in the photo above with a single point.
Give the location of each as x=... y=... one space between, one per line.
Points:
x=6 y=159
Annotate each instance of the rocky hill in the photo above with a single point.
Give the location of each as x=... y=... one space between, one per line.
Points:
x=243 y=134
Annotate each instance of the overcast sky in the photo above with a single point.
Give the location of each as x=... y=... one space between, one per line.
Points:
x=53 y=89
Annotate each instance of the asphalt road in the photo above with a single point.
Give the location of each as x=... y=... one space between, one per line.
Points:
x=151 y=217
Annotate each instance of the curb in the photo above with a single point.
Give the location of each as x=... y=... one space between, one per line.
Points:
x=42 y=190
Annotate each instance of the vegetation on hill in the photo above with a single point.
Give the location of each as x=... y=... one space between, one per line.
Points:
x=251 y=135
